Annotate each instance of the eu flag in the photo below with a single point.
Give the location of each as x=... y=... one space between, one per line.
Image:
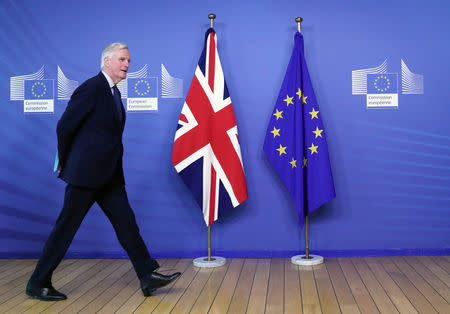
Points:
x=295 y=142
x=142 y=87
x=385 y=83
x=38 y=89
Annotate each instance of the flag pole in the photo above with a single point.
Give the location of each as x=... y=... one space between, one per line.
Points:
x=306 y=238
x=305 y=260
x=211 y=17
x=209 y=261
x=209 y=243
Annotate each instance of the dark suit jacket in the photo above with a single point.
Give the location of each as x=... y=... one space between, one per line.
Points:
x=90 y=135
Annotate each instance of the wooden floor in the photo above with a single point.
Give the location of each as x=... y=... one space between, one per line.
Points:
x=412 y=284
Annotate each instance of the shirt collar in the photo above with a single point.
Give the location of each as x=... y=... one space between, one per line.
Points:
x=110 y=81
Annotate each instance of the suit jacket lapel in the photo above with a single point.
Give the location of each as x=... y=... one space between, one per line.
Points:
x=112 y=103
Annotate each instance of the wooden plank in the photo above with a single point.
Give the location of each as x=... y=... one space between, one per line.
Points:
x=310 y=297
x=379 y=296
x=430 y=277
x=149 y=303
x=18 y=300
x=327 y=296
x=78 y=274
x=362 y=296
x=209 y=292
x=132 y=303
x=442 y=262
x=5 y=261
x=438 y=302
x=8 y=276
x=403 y=284
x=123 y=289
x=100 y=291
x=179 y=287
x=258 y=295
x=15 y=267
x=293 y=296
x=342 y=290
x=159 y=295
x=22 y=302
x=415 y=297
x=81 y=284
x=7 y=264
x=137 y=297
x=396 y=295
x=225 y=293
x=275 y=289
x=241 y=295
x=15 y=296
x=435 y=269
x=187 y=300
x=18 y=284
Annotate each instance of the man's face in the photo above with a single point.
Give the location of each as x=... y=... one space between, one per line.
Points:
x=117 y=66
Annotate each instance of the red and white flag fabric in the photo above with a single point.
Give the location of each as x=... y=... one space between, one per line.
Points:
x=206 y=151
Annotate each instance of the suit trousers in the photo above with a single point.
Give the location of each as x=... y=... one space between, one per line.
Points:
x=112 y=199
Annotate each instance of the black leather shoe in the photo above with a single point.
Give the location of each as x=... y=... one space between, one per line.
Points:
x=156 y=281
x=44 y=293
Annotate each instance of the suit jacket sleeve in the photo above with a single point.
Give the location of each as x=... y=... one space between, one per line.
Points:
x=78 y=109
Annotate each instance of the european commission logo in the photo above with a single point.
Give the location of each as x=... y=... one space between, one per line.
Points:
x=39 y=96
x=37 y=93
x=382 y=88
x=139 y=90
x=142 y=94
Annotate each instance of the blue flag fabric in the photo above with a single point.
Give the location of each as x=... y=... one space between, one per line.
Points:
x=38 y=89
x=385 y=83
x=142 y=87
x=295 y=142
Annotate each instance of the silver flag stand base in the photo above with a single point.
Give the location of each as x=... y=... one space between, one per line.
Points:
x=215 y=261
x=302 y=260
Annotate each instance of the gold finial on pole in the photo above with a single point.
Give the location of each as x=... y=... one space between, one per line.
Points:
x=299 y=21
x=212 y=16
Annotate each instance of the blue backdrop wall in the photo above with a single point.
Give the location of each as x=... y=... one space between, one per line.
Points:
x=391 y=165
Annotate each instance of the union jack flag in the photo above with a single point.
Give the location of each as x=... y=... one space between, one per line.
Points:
x=206 y=151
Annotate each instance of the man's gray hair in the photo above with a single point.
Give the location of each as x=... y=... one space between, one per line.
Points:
x=110 y=49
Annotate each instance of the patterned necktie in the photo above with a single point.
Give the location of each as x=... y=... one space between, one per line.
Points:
x=118 y=101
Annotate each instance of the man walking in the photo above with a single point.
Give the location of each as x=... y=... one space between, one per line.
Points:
x=90 y=154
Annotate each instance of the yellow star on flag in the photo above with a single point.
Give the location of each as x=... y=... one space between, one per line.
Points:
x=282 y=149
x=299 y=93
x=293 y=163
x=278 y=114
x=288 y=100
x=313 y=149
x=305 y=162
x=317 y=132
x=313 y=114
x=276 y=132
x=304 y=99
